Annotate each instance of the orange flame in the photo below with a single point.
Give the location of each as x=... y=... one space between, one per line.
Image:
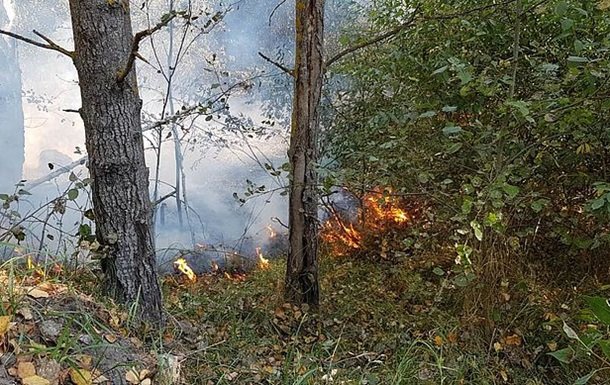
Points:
x=181 y=265
x=263 y=263
x=380 y=212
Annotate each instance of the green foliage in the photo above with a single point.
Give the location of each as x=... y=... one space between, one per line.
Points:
x=590 y=343
x=516 y=164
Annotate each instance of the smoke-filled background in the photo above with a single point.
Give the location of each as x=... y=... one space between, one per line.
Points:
x=223 y=157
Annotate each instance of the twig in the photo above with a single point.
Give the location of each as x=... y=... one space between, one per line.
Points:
x=50 y=46
x=135 y=46
x=278 y=220
x=278 y=65
x=275 y=9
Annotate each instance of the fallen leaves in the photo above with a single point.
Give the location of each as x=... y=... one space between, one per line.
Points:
x=81 y=376
x=35 y=380
x=138 y=378
x=5 y=322
x=25 y=370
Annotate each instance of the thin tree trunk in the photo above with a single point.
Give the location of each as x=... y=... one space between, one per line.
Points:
x=111 y=113
x=302 y=270
x=12 y=141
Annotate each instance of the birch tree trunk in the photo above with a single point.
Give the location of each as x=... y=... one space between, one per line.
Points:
x=302 y=270
x=111 y=113
x=12 y=141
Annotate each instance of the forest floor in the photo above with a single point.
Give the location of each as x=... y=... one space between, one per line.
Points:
x=378 y=323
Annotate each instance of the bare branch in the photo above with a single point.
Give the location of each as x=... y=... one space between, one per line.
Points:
x=278 y=65
x=135 y=46
x=165 y=197
x=50 y=46
x=59 y=171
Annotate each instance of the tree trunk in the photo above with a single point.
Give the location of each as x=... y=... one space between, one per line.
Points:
x=12 y=141
x=111 y=114
x=302 y=270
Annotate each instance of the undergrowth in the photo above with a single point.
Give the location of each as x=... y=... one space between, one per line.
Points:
x=380 y=322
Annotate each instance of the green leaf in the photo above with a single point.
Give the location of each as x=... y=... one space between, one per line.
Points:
x=510 y=190
x=563 y=355
x=478 y=232
x=440 y=70
x=561 y=8
x=452 y=130
x=72 y=177
x=72 y=194
x=4 y=197
x=584 y=379
x=438 y=271
x=454 y=148
x=578 y=59
x=599 y=306
x=449 y=108
x=428 y=114
x=539 y=205
x=598 y=204
x=570 y=333
x=464 y=76
x=467 y=205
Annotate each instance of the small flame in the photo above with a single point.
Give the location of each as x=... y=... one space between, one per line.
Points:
x=399 y=216
x=272 y=233
x=263 y=263
x=185 y=269
x=235 y=277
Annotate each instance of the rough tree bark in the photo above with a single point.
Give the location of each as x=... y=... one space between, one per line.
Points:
x=302 y=270
x=110 y=110
x=12 y=141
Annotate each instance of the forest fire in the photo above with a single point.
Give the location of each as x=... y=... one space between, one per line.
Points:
x=380 y=212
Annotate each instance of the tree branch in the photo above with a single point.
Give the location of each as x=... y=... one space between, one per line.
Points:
x=51 y=45
x=278 y=65
x=135 y=46
x=375 y=40
x=412 y=20
x=164 y=197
